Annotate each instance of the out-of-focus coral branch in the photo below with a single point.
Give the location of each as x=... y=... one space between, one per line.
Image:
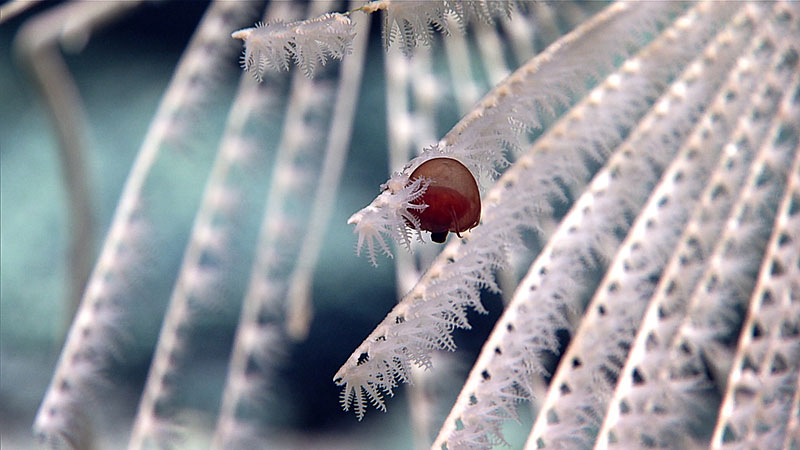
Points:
x=38 y=46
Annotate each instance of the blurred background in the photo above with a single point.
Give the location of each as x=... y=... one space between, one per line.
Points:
x=121 y=73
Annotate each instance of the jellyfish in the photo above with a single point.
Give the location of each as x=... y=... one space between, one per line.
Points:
x=454 y=203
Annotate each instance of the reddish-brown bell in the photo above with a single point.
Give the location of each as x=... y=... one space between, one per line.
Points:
x=454 y=203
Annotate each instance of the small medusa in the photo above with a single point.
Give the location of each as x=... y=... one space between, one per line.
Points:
x=454 y=203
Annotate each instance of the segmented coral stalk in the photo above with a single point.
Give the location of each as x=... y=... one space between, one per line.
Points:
x=210 y=264
x=760 y=401
x=277 y=305
x=640 y=393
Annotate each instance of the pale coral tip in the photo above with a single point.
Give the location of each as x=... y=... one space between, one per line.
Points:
x=242 y=34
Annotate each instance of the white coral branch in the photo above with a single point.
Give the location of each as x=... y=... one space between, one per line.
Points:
x=481 y=139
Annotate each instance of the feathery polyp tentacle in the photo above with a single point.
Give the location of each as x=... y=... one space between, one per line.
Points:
x=308 y=42
x=391 y=213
